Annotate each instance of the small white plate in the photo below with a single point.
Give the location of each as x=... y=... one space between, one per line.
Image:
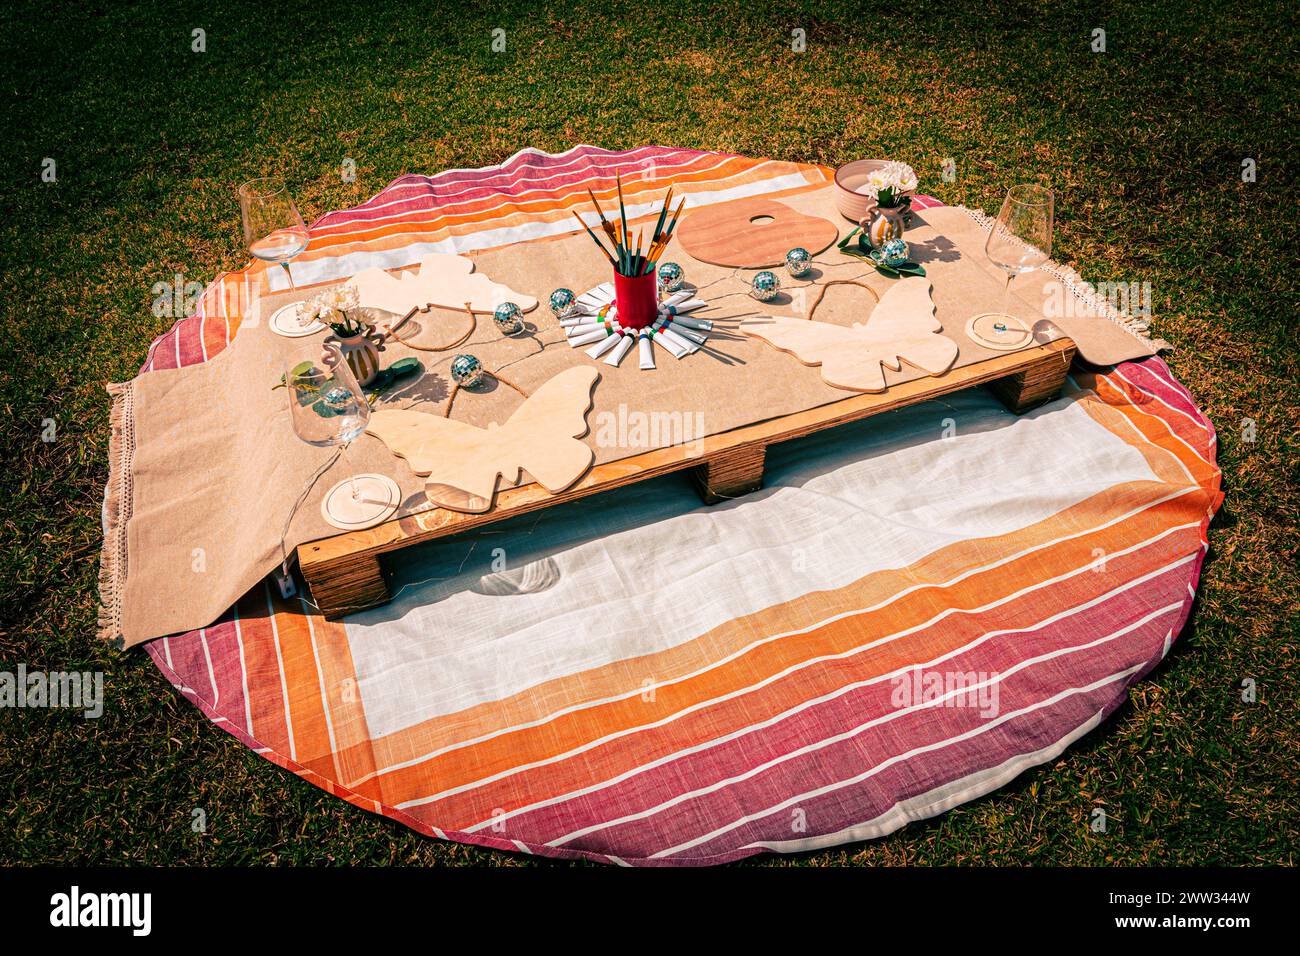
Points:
x=376 y=499
x=284 y=321
x=981 y=331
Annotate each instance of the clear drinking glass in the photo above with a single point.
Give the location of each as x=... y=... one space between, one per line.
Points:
x=328 y=408
x=273 y=230
x=327 y=404
x=1021 y=238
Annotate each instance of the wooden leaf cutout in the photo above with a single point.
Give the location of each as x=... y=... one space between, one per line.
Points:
x=444 y=280
x=465 y=464
x=902 y=328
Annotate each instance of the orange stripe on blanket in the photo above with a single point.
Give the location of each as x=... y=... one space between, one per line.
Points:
x=1169 y=456
x=265 y=697
x=637 y=749
x=509 y=750
x=617 y=677
x=504 y=213
x=355 y=753
x=706 y=170
x=311 y=734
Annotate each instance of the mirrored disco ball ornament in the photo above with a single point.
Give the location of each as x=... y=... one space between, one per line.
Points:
x=894 y=252
x=466 y=371
x=797 y=262
x=562 y=301
x=671 y=277
x=338 y=398
x=509 y=320
x=765 y=286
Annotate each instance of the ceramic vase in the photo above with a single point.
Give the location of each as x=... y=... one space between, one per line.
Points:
x=361 y=354
x=883 y=224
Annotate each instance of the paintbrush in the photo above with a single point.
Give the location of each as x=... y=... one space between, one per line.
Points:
x=663 y=211
x=673 y=225
x=598 y=243
x=657 y=237
x=604 y=223
x=666 y=236
x=622 y=211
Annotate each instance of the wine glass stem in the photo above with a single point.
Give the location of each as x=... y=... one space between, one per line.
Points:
x=1006 y=294
x=289 y=275
x=352 y=478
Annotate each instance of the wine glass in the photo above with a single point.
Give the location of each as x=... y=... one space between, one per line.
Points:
x=328 y=406
x=273 y=230
x=329 y=409
x=1021 y=238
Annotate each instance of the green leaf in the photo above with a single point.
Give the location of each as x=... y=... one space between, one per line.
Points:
x=407 y=366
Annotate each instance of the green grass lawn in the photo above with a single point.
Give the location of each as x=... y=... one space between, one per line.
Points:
x=1144 y=144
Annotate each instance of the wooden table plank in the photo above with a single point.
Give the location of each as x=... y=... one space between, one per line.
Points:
x=345 y=574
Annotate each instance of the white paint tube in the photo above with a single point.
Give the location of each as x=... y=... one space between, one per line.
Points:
x=687 y=334
x=647 y=351
x=624 y=345
x=578 y=341
x=587 y=327
x=704 y=325
x=600 y=348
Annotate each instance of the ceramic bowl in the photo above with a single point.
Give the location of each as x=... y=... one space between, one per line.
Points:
x=849 y=178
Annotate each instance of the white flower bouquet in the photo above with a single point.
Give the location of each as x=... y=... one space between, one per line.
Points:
x=338 y=307
x=890 y=183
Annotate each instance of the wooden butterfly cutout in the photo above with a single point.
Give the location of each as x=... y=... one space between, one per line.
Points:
x=901 y=328
x=465 y=463
x=444 y=280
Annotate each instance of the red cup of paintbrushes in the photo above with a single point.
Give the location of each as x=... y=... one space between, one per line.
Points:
x=637 y=300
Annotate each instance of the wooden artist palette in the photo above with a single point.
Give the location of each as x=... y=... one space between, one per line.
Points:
x=752 y=233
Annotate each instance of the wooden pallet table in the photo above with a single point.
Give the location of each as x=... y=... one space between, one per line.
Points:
x=346 y=572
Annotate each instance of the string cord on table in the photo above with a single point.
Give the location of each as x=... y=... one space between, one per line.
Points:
x=822 y=286
x=311 y=482
x=455 y=390
x=473 y=324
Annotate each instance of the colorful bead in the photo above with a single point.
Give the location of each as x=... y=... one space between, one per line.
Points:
x=765 y=286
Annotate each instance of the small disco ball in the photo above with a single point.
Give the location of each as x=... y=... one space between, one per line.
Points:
x=671 y=277
x=508 y=318
x=765 y=286
x=797 y=262
x=894 y=252
x=466 y=371
x=562 y=302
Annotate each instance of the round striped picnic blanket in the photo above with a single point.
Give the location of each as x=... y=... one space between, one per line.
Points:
x=915 y=610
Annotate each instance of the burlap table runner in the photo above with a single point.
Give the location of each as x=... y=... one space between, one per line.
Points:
x=205 y=466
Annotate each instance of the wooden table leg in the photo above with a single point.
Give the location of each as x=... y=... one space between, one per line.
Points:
x=1035 y=384
x=343 y=585
x=730 y=475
